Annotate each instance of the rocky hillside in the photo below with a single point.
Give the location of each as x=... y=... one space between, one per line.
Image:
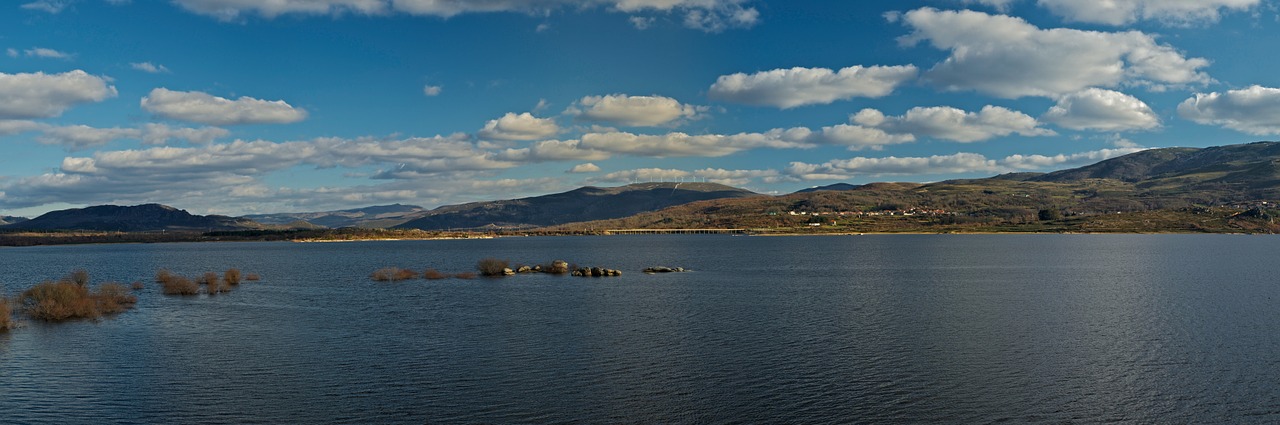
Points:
x=583 y=204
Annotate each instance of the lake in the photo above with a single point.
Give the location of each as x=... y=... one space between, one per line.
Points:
x=837 y=329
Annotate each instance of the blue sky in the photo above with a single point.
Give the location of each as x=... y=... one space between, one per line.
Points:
x=238 y=106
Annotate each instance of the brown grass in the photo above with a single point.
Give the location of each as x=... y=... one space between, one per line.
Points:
x=252 y=277
x=392 y=274
x=465 y=275
x=173 y=284
x=67 y=299
x=491 y=267
x=231 y=276
x=137 y=286
x=433 y=274
x=164 y=274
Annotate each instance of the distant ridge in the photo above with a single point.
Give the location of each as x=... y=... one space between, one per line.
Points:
x=140 y=218
x=830 y=187
x=378 y=216
x=582 y=204
x=5 y=219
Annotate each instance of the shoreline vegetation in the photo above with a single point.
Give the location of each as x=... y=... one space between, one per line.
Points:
x=806 y=223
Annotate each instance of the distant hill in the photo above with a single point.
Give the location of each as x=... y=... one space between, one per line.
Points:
x=5 y=219
x=833 y=187
x=369 y=217
x=1229 y=173
x=582 y=204
x=140 y=218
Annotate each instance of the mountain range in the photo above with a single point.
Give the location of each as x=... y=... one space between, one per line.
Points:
x=1156 y=179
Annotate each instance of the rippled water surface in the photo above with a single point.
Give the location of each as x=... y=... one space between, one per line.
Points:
x=1025 y=329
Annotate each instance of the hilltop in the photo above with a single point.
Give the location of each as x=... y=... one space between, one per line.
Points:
x=140 y=218
x=582 y=204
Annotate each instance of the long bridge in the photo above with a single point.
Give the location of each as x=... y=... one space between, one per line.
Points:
x=673 y=231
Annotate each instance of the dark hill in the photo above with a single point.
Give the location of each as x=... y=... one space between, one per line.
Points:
x=583 y=204
x=140 y=218
x=5 y=219
x=375 y=216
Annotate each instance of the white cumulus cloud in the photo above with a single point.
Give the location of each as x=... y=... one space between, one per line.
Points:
x=1102 y=110
x=205 y=108
x=584 y=168
x=40 y=95
x=522 y=126
x=790 y=88
x=1008 y=57
x=1254 y=110
x=636 y=111
x=1121 y=12
x=431 y=90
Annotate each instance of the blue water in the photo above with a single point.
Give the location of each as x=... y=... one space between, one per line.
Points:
x=908 y=328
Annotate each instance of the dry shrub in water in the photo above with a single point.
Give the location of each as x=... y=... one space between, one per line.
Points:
x=6 y=319
x=491 y=267
x=433 y=274
x=391 y=274
x=231 y=276
x=208 y=278
x=173 y=284
x=78 y=277
x=137 y=286
x=251 y=277
x=65 y=300
x=467 y=275
x=163 y=275
x=114 y=298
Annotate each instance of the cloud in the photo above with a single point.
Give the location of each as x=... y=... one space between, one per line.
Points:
x=714 y=175
x=706 y=15
x=1007 y=57
x=149 y=67
x=584 y=168
x=11 y=127
x=681 y=144
x=553 y=150
x=159 y=134
x=41 y=95
x=947 y=123
x=790 y=88
x=958 y=163
x=204 y=108
x=12 y=52
x=640 y=22
x=1122 y=12
x=636 y=111
x=519 y=127
x=79 y=137
x=47 y=6
x=1254 y=110
x=41 y=52
x=1102 y=110
x=430 y=90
